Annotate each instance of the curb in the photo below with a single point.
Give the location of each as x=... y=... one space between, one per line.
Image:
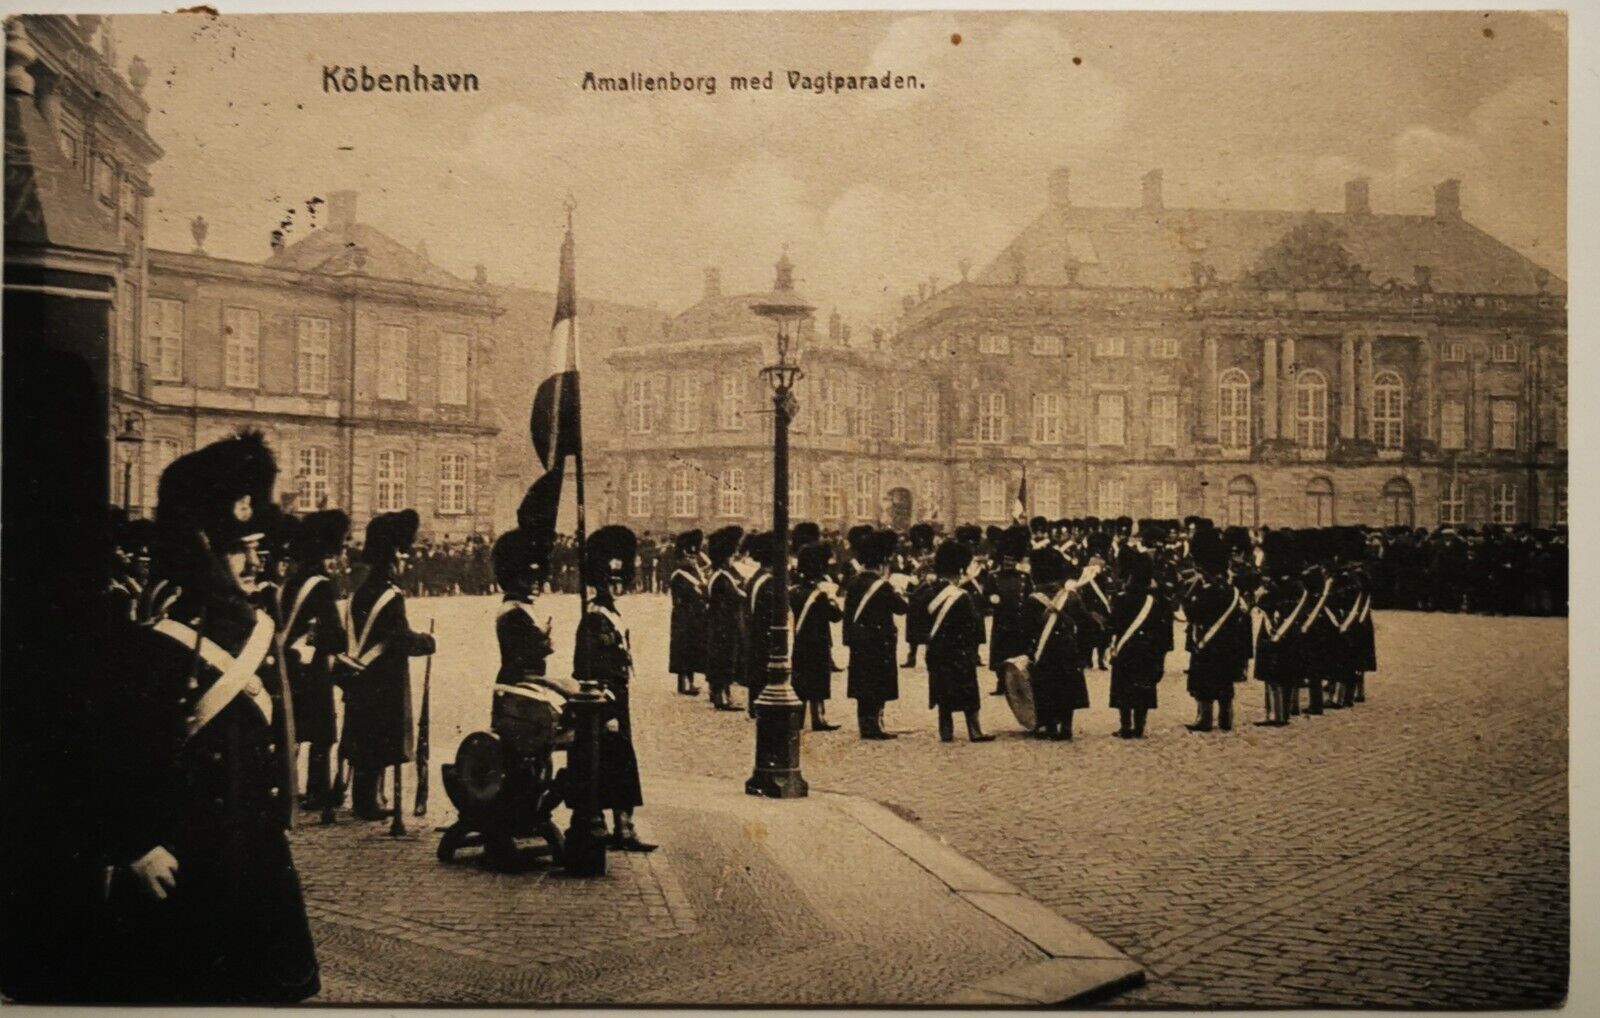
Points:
x=1078 y=966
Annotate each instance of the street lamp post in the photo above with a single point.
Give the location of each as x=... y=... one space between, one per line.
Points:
x=130 y=438
x=780 y=715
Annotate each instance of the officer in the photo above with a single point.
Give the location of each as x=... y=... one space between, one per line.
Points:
x=206 y=903
x=725 y=618
x=870 y=605
x=813 y=600
x=1009 y=589
x=761 y=605
x=376 y=671
x=602 y=653
x=130 y=574
x=686 y=653
x=1050 y=632
x=312 y=635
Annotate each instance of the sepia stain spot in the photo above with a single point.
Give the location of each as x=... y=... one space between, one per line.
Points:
x=1488 y=33
x=955 y=38
x=1077 y=61
x=206 y=9
x=755 y=830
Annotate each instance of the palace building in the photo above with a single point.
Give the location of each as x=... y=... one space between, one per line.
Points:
x=1256 y=367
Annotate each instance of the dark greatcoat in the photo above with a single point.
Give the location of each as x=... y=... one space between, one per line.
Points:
x=812 y=657
x=601 y=653
x=762 y=599
x=686 y=654
x=873 y=638
x=1008 y=589
x=234 y=930
x=1099 y=597
x=378 y=727
x=1058 y=683
x=1216 y=663
x=952 y=647
x=1279 y=661
x=725 y=624
x=313 y=633
x=917 y=623
x=1141 y=656
x=1363 y=638
x=1323 y=654
x=524 y=644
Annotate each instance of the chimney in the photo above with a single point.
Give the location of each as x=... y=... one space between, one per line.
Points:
x=1152 y=191
x=835 y=328
x=713 y=283
x=1060 y=188
x=341 y=210
x=1423 y=276
x=1357 y=201
x=1447 y=199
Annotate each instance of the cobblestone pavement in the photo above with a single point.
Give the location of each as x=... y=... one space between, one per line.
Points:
x=1412 y=851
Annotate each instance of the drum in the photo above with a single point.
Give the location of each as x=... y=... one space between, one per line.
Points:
x=529 y=717
x=1017 y=675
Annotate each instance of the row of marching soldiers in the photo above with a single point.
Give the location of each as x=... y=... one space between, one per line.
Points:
x=1043 y=604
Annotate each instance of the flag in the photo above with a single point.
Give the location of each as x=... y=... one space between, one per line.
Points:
x=555 y=423
x=1019 y=512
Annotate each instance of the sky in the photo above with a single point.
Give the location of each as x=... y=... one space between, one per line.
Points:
x=870 y=192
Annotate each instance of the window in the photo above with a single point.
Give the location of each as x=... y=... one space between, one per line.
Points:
x=685 y=403
x=452 y=484
x=730 y=494
x=930 y=417
x=1319 y=502
x=71 y=133
x=1164 y=499
x=1110 y=498
x=1454 y=352
x=1233 y=410
x=897 y=415
x=1452 y=424
x=1561 y=504
x=241 y=330
x=159 y=454
x=1399 y=504
x=1311 y=410
x=685 y=501
x=1109 y=418
x=1046 y=346
x=394 y=354
x=1164 y=348
x=454 y=354
x=391 y=481
x=797 y=495
x=860 y=415
x=866 y=507
x=994 y=343
x=311 y=478
x=1505 y=352
x=830 y=400
x=1388 y=411
x=1110 y=346
x=105 y=181
x=991 y=498
x=992 y=417
x=639 y=422
x=1241 y=504
x=163 y=336
x=638 y=495
x=1046 y=418
x=730 y=405
x=1453 y=503
x=1503 y=423
x=1164 y=420
x=832 y=499
x=1504 y=509
x=311 y=345
x=1045 y=494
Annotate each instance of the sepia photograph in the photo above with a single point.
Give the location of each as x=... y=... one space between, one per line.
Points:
x=850 y=508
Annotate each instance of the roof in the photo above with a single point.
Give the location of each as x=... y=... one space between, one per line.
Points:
x=335 y=250
x=720 y=317
x=47 y=203
x=1159 y=249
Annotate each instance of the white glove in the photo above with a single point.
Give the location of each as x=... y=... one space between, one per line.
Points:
x=156 y=871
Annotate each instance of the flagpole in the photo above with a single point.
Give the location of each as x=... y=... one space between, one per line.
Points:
x=581 y=534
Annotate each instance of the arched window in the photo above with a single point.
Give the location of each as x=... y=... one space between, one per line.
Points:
x=1241 y=502
x=1388 y=411
x=1319 y=502
x=1399 y=502
x=1311 y=410
x=1233 y=410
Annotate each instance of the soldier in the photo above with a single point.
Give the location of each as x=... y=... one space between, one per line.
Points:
x=131 y=568
x=922 y=575
x=1282 y=603
x=725 y=618
x=1351 y=598
x=376 y=670
x=814 y=601
x=870 y=605
x=686 y=653
x=1143 y=634
x=761 y=604
x=1050 y=632
x=602 y=653
x=1038 y=532
x=207 y=905
x=1009 y=589
x=1098 y=593
x=312 y=634
x=520 y=563
x=1218 y=632
x=1319 y=632
x=955 y=632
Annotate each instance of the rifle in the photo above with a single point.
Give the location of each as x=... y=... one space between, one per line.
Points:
x=290 y=756
x=421 y=807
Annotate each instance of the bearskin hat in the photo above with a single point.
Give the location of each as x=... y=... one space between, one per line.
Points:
x=1014 y=543
x=761 y=547
x=921 y=537
x=812 y=560
x=136 y=537
x=279 y=532
x=1046 y=565
x=1281 y=551
x=803 y=533
x=952 y=558
x=207 y=500
x=722 y=544
x=992 y=533
x=856 y=538
x=1209 y=550
x=689 y=542
x=1098 y=543
x=877 y=547
x=322 y=534
x=388 y=533
x=1135 y=567
x=609 y=556
x=1123 y=525
x=519 y=560
x=969 y=535
x=1091 y=522
x=1152 y=533
x=1038 y=525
